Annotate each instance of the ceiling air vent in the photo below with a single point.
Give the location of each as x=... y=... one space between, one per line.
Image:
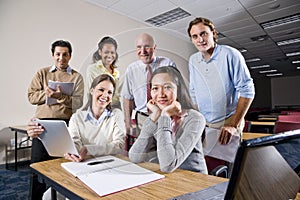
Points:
x=168 y=17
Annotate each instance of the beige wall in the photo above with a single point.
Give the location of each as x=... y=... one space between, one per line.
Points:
x=27 y=29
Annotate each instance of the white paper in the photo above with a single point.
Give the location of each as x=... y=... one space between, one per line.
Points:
x=107 y=178
x=214 y=149
x=66 y=88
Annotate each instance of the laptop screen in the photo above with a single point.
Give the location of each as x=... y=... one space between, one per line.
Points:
x=261 y=172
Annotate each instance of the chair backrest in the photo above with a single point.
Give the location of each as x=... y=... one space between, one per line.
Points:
x=247 y=126
x=289 y=118
x=261 y=172
x=293 y=113
x=282 y=126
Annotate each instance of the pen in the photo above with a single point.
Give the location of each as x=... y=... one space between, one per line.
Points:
x=100 y=162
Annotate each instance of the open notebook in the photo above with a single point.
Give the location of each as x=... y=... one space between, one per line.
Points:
x=109 y=174
x=259 y=172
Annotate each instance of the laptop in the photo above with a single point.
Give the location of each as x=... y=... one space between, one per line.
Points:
x=259 y=171
x=56 y=138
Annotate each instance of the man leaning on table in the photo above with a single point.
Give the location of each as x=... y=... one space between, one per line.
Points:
x=220 y=82
x=64 y=107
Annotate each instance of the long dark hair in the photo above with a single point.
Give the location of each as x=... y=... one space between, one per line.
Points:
x=96 y=81
x=103 y=41
x=183 y=96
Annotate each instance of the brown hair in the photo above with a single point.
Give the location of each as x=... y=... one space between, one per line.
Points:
x=96 y=81
x=205 y=21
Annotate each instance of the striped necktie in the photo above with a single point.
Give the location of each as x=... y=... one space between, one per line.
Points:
x=149 y=74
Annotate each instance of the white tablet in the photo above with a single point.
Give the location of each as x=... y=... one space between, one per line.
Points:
x=56 y=138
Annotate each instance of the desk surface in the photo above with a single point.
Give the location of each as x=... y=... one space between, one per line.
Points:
x=174 y=184
x=249 y=135
x=262 y=123
x=19 y=128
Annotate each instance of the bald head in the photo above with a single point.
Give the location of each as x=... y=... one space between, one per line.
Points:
x=145 y=47
x=146 y=38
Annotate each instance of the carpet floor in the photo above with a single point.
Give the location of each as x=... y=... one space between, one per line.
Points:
x=14 y=185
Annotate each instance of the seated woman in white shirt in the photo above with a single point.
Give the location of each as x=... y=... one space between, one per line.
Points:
x=97 y=129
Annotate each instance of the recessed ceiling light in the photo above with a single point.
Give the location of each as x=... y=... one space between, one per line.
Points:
x=293 y=54
x=281 y=21
x=268 y=71
x=253 y=60
x=278 y=74
x=296 y=61
x=260 y=66
x=298 y=67
x=274 y=5
x=168 y=17
x=286 y=42
x=243 y=50
x=260 y=38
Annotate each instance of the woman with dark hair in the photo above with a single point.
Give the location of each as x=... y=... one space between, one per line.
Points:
x=104 y=62
x=172 y=134
x=98 y=129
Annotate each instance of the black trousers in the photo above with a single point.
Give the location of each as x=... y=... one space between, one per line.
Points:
x=38 y=154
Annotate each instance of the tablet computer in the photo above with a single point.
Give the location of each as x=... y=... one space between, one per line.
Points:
x=56 y=138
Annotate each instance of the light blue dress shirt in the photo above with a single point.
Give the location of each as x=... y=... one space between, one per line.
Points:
x=53 y=68
x=216 y=85
x=90 y=117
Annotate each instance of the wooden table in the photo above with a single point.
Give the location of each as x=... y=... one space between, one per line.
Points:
x=250 y=135
x=176 y=183
x=267 y=118
x=16 y=130
x=256 y=126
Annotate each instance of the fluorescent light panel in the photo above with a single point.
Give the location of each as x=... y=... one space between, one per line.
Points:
x=278 y=74
x=260 y=66
x=286 y=42
x=296 y=61
x=243 y=50
x=168 y=17
x=253 y=60
x=298 y=67
x=293 y=54
x=268 y=71
x=281 y=21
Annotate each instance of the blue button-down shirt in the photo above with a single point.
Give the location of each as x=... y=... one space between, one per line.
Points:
x=53 y=68
x=217 y=84
x=90 y=117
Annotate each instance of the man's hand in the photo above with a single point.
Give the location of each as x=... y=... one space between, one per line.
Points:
x=226 y=133
x=54 y=93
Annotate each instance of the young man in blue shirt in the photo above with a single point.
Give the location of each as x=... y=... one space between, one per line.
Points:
x=220 y=82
